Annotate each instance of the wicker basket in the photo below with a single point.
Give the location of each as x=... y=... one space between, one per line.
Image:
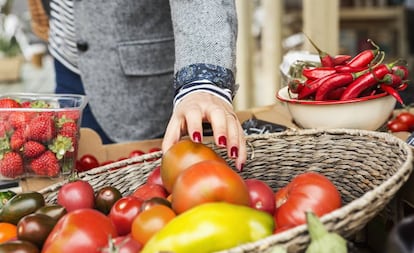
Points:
x=39 y=20
x=367 y=167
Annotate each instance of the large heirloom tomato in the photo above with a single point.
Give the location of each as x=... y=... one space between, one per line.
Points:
x=180 y=156
x=83 y=230
x=208 y=181
x=309 y=191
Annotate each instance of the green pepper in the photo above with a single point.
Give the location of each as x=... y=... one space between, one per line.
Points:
x=5 y=196
x=211 y=227
x=21 y=205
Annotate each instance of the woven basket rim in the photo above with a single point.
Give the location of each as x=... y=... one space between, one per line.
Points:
x=404 y=172
x=395 y=181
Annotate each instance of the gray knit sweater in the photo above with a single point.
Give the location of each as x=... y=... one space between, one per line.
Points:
x=140 y=52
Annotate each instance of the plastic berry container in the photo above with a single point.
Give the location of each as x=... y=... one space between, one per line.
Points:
x=39 y=134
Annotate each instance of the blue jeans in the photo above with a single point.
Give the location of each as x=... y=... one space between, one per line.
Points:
x=71 y=83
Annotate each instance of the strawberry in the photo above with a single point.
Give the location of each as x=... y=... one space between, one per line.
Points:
x=17 y=139
x=69 y=114
x=11 y=165
x=26 y=104
x=41 y=128
x=46 y=164
x=19 y=119
x=32 y=149
x=62 y=146
x=9 y=103
x=5 y=129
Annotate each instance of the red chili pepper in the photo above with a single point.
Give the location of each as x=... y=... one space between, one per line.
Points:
x=295 y=86
x=392 y=80
x=365 y=81
x=401 y=71
x=310 y=88
x=335 y=81
x=393 y=92
x=341 y=59
x=345 y=68
x=364 y=58
x=335 y=94
x=326 y=59
x=317 y=72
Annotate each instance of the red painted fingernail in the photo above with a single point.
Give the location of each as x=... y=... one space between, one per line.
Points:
x=196 y=137
x=234 y=152
x=241 y=167
x=222 y=141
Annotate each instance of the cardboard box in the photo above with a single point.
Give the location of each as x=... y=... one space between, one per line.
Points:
x=90 y=142
x=10 y=68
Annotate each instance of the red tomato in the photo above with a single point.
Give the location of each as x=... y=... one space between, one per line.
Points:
x=106 y=162
x=88 y=162
x=150 y=221
x=261 y=195
x=397 y=126
x=147 y=204
x=147 y=191
x=407 y=118
x=136 y=152
x=155 y=149
x=309 y=191
x=208 y=181
x=123 y=212
x=123 y=244
x=83 y=230
x=155 y=177
x=180 y=156
x=79 y=166
x=76 y=195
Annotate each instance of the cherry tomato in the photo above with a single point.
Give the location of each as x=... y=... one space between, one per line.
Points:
x=18 y=246
x=150 y=221
x=309 y=191
x=147 y=191
x=123 y=244
x=180 y=156
x=8 y=232
x=83 y=230
x=151 y=150
x=106 y=197
x=397 y=126
x=407 y=118
x=35 y=228
x=261 y=195
x=106 y=162
x=123 y=212
x=155 y=176
x=88 y=162
x=54 y=211
x=147 y=204
x=76 y=195
x=136 y=152
x=208 y=181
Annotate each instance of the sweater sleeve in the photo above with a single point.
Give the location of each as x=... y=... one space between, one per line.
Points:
x=205 y=34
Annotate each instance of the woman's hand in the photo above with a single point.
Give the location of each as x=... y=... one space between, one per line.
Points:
x=199 y=107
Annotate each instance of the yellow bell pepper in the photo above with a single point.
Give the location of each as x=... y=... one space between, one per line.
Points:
x=211 y=227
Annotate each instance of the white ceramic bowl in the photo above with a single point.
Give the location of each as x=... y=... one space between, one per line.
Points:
x=368 y=113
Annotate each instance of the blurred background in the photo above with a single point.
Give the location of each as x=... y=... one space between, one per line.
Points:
x=268 y=31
